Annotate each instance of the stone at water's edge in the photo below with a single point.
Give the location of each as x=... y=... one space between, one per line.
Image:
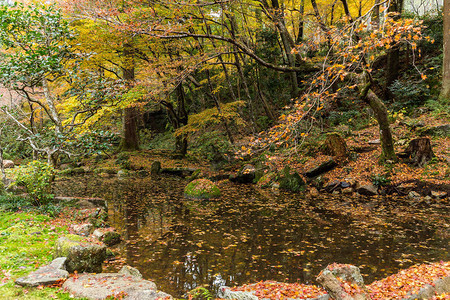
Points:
x=245 y=175
x=226 y=293
x=322 y=168
x=343 y=282
x=367 y=190
x=46 y=275
x=82 y=256
x=130 y=271
x=201 y=189
x=102 y=286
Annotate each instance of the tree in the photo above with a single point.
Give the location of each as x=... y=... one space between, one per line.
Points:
x=35 y=47
x=445 y=92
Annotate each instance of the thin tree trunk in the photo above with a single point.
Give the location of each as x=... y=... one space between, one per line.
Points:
x=445 y=92
x=301 y=22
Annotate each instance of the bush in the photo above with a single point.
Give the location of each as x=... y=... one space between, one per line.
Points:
x=37 y=177
x=213 y=146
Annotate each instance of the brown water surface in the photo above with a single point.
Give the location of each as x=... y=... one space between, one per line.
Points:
x=248 y=235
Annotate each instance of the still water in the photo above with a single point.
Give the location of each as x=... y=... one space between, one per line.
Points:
x=248 y=235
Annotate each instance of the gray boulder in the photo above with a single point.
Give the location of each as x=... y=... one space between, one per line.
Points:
x=46 y=275
x=83 y=229
x=367 y=190
x=333 y=278
x=113 y=285
x=82 y=255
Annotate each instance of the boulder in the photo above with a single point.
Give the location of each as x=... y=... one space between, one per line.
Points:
x=113 y=285
x=130 y=271
x=83 y=229
x=201 y=189
x=8 y=164
x=414 y=195
x=322 y=168
x=367 y=190
x=82 y=255
x=291 y=181
x=245 y=175
x=438 y=194
x=46 y=275
x=343 y=282
x=111 y=238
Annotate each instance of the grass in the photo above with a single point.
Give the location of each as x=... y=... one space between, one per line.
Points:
x=26 y=242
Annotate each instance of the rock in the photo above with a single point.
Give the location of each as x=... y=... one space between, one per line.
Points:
x=245 y=175
x=335 y=276
x=111 y=238
x=347 y=191
x=201 y=189
x=429 y=291
x=46 y=275
x=155 y=168
x=122 y=174
x=367 y=190
x=374 y=142
x=438 y=194
x=322 y=168
x=332 y=185
x=83 y=229
x=98 y=234
x=113 y=285
x=226 y=293
x=291 y=181
x=130 y=271
x=335 y=145
x=82 y=256
x=414 y=195
x=8 y=164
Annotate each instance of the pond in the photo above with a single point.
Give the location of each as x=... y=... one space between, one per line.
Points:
x=249 y=235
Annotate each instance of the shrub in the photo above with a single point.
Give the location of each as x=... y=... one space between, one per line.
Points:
x=37 y=177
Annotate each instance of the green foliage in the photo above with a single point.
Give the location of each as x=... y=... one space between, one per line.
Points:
x=162 y=141
x=409 y=93
x=214 y=146
x=36 y=39
x=94 y=142
x=200 y=293
x=37 y=177
x=381 y=179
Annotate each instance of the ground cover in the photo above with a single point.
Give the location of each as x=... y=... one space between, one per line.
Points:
x=26 y=243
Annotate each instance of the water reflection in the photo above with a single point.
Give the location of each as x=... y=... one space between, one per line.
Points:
x=248 y=235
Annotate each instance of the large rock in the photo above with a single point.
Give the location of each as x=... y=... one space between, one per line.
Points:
x=440 y=130
x=82 y=229
x=46 y=275
x=343 y=282
x=82 y=255
x=113 y=285
x=245 y=175
x=201 y=189
x=367 y=190
x=291 y=181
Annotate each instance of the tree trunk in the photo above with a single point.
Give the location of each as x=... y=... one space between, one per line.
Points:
x=393 y=55
x=445 y=92
x=130 y=139
x=419 y=152
x=381 y=115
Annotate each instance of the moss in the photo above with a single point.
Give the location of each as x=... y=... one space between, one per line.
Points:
x=105 y=170
x=201 y=189
x=111 y=238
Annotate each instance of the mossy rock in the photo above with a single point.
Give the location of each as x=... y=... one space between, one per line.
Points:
x=111 y=238
x=266 y=180
x=291 y=181
x=201 y=189
x=82 y=256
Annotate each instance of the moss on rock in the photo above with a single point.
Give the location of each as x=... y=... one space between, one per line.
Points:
x=201 y=189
